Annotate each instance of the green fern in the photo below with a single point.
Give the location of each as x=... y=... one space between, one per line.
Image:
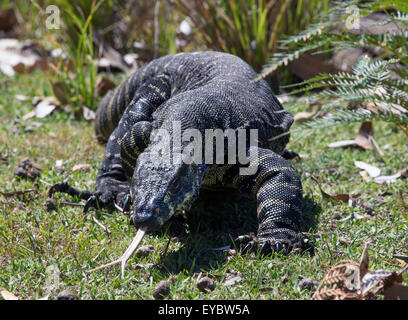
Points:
x=371 y=91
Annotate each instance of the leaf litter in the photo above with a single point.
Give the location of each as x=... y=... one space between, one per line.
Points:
x=351 y=280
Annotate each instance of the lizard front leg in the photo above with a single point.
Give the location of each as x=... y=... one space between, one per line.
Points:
x=125 y=143
x=278 y=191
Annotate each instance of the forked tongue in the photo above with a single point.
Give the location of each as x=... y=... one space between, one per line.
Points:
x=128 y=253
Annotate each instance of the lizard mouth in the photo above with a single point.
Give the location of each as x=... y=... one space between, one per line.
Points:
x=150 y=220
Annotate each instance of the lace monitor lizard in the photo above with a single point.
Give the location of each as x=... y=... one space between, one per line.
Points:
x=202 y=90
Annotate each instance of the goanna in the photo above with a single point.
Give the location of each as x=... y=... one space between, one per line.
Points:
x=200 y=91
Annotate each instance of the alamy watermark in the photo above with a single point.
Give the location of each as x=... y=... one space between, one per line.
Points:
x=353 y=18
x=216 y=146
x=53 y=19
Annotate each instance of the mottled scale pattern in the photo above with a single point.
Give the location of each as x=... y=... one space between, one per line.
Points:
x=202 y=90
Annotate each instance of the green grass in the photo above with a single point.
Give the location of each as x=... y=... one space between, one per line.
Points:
x=33 y=239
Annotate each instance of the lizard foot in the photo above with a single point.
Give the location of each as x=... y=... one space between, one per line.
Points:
x=278 y=242
x=108 y=192
x=122 y=202
x=65 y=187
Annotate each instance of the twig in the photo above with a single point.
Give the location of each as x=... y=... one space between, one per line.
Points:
x=101 y=225
x=16 y=193
x=74 y=204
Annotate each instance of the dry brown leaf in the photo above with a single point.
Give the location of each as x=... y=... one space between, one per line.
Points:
x=364 y=139
x=103 y=85
x=349 y=279
x=45 y=107
x=304 y=116
x=8 y=19
x=339 y=197
x=370 y=169
x=88 y=114
x=16 y=56
x=8 y=295
x=364 y=261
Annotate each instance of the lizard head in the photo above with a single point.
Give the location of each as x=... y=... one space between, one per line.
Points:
x=159 y=191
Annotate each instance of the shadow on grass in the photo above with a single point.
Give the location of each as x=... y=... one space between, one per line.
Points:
x=214 y=220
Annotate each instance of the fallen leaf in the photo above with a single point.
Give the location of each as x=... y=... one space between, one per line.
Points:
x=21 y=97
x=373 y=278
x=103 y=85
x=364 y=139
x=343 y=144
x=389 y=179
x=364 y=261
x=8 y=19
x=370 y=169
x=58 y=165
x=351 y=280
x=29 y=115
x=339 y=197
x=45 y=107
x=28 y=169
x=17 y=56
x=307 y=283
x=88 y=114
x=8 y=295
x=304 y=116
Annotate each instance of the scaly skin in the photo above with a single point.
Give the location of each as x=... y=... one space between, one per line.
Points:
x=206 y=90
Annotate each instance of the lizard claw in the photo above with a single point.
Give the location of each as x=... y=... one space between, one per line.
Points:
x=266 y=248
x=278 y=247
x=272 y=245
x=242 y=240
x=250 y=247
x=91 y=202
x=126 y=202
